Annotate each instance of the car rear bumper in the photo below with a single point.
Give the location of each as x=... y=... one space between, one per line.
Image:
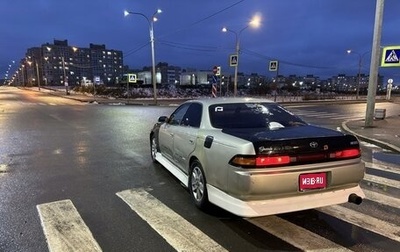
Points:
x=261 y=184
x=258 y=208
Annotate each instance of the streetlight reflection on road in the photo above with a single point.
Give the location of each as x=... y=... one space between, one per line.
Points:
x=255 y=22
x=151 y=30
x=360 y=60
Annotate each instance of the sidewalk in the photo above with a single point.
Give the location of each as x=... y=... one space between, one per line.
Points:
x=384 y=133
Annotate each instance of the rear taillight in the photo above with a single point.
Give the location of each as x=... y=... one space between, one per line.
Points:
x=268 y=161
x=250 y=161
x=259 y=161
x=349 y=153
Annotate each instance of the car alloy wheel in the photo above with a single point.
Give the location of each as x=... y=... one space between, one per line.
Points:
x=197 y=185
x=153 y=148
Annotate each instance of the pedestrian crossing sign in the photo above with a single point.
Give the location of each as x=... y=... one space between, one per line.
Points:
x=391 y=56
x=132 y=78
x=233 y=60
x=273 y=65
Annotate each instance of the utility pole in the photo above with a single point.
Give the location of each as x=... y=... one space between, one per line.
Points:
x=375 y=60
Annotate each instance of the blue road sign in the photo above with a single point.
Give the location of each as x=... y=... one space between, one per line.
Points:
x=391 y=56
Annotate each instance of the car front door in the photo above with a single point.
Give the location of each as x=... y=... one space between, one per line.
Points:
x=186 y=136
x=168 y=130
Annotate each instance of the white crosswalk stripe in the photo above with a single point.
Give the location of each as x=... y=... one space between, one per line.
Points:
x=65 y=230
x=364 y=221
x=323 y=114
x=178 y=232
x=295 y=235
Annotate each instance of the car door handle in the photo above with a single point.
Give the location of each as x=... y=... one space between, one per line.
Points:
x=171 y=134
x=191 y=141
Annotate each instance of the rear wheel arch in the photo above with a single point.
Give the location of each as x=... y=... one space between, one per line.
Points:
x=198 y=184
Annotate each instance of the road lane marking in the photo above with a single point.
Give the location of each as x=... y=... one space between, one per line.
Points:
x=297 y=236
x=64 y=228
x=177 y=231
x=364 y=221
x=382 y=167
x=381 y=180
x=381 y=198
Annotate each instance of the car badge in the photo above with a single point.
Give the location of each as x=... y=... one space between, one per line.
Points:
x=313 y=145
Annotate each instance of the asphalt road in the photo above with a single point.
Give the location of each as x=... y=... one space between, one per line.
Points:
x=82 y=173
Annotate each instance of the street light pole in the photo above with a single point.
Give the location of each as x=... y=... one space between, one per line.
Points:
x=360 y=60
x=37 y=74
x=64 y=75
x=237 y=51
x=151 y=31
x=255 y=22
x=153 y=63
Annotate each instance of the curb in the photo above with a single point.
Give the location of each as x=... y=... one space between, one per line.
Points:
x=370 y=140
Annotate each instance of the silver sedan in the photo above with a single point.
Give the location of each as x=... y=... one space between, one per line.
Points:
x=252 y=157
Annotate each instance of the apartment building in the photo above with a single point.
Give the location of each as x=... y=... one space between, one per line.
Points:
x=59 y=63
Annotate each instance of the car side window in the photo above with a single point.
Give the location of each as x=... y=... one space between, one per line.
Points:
x=193 y=116
x=177 y=116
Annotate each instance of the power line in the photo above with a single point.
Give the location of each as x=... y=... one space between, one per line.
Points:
x=205 y=18
x=283 y=61
x=185 y=28
x=201 y=48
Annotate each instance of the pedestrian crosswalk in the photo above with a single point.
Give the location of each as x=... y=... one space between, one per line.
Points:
x=65 y=229
x=64 y=103
x=324 y=115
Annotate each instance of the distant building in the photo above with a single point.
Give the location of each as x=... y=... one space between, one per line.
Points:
x=59 y=63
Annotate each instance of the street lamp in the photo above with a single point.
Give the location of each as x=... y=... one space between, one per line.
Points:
x=255 y=22
x=360 y=59
x=37 y=70
x=151 y=30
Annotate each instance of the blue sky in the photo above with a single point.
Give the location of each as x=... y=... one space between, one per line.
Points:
x=305 y=36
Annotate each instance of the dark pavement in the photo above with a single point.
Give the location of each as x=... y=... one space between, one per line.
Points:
x=384 y=132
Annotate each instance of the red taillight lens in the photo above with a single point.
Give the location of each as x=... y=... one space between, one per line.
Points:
x=350 y=153
x=268 y=161
x=259 y=161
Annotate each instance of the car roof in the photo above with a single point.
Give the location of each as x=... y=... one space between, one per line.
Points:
x=222 y=100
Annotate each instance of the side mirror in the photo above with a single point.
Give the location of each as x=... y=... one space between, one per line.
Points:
x=162 y=119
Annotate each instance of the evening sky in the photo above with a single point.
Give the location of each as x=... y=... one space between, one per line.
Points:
x=305 y=36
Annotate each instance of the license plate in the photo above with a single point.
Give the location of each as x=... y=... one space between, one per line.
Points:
x=311 y=181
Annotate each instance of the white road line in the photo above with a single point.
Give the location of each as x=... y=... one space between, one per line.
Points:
x=295 y=235
x=382 y=168
x=381 y=180
x=382 y=198
x=178 y=232
x=364 y=221
x=64 y=228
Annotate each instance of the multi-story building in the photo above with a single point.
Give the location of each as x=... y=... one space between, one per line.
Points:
x=61 y=64
x=343 y=83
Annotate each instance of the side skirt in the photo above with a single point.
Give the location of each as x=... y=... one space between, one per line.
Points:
x=178 y=173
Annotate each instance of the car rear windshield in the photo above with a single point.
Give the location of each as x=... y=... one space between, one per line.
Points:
x=252 y=115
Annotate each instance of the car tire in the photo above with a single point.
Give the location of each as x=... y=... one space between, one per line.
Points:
x=153 y=148
x=198 y=185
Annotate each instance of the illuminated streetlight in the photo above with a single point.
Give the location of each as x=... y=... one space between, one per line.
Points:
x=151 y=30
x=37 y=70
x=255 y=23
x=360 y=60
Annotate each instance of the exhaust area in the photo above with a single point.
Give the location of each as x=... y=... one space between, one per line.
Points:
x=354 y=198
